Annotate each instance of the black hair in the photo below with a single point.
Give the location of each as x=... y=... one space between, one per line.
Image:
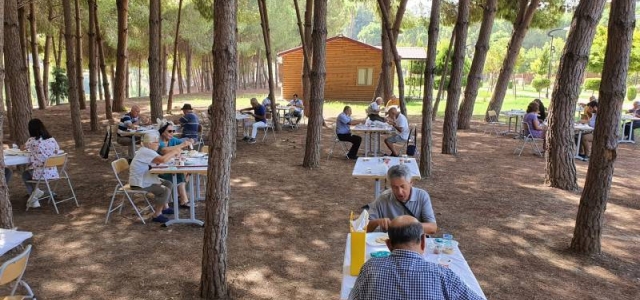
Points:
x=164 y=127
x=533 y=107
x=593 y=104
x=411 y=233
x=345 y=108
x=37 y=130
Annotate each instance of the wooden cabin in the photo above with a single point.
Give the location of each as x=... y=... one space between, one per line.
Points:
x=353 y=69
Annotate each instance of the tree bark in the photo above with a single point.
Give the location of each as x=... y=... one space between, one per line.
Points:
x=139 y=85
x=387 y=59
x=76 y=124
x=58 y=54
x=175 y=60
x=264 y=17
x=12 y=129
x=103 y=69
x=35 y=58
x=450 y=125
x=6 y=212
x=119 y=92
x=213 y=281
x=155 y=65
x=17 y=74
x=47 y=57
x=318 y=76
x=560 y=171
x=426 y=144
x=593 y=202
x=394 y=51
x=306 y=78
x=164 y=69
x=93 y=69
x=179 y=71
x=22 y=25
x=520 y=28
x=82 y=98
x=475 y=73
x=188 y=70
x=443 y=76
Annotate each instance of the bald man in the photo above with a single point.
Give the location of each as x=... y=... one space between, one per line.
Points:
x=405 y=274
x=129 y=121
x=401 y=125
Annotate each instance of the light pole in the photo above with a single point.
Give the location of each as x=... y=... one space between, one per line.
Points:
x=551 y=49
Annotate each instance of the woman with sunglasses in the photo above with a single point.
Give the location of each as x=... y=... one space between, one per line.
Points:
x=170 y=143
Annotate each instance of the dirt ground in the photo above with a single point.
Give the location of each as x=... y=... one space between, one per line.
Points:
x=287 y=225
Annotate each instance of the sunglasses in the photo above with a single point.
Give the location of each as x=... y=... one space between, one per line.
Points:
x=171 y=131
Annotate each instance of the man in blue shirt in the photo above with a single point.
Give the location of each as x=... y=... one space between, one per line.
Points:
x=260 y=115
x=405 y=274
x=130 y=120
x=189 y=123
x=343 y=131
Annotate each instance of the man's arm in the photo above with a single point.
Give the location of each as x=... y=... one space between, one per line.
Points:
x=429 y=228
x=160 y=159
x=383 y=223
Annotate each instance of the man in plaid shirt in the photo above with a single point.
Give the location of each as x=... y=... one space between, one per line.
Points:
x=405 y=275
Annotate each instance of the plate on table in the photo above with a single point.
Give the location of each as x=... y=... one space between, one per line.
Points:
x=377 y=238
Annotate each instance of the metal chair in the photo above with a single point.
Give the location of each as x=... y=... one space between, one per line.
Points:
x=60 y=163
x=493 y=123
x=527 y=138
x=114 y=135
x=269 y=126
x=12 y=271
x=118 y=167
x=336 y=141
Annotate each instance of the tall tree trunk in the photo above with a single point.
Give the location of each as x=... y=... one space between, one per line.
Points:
x=306 y=78
x=100 y=97
x=139 y=85
x=179 y=71
x=127 y=81
x=119 y=92
x=76 y=124
x=175 y=60
x=16 y=73
x=475 y=73
x=12 y=129
x=164 y=69
x=426 y=145
x=394 y=50
x=6 y=212
x=49 y=42
x=82 y=98
x=266 y=34
x=187 y=59
x=318 y=77
x=450 y=125
x=103 y=68
x=520 y=28
x=593 y=202
x=155 y=40
x=58 y=54
x=93 y=67
x=34 y=56
x=22 y=24
x=387 y=59
x=443 y=76
x=213 y=281
x=560 y=171
x=207 y=73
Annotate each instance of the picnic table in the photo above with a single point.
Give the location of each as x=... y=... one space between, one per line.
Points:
x=372 y=136
x=375 y=168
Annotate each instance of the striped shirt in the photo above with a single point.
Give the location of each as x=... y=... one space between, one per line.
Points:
x=189 y=123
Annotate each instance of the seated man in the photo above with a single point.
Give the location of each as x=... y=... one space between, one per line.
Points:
x=405 y=274
x=130 y=120
x=635 y=124
x=401 y=199
x=141 y=178
x=343 y=131
x=373 y=110
x=401 y=125
x=260 y=115
x=296 y=109
x=189 y=123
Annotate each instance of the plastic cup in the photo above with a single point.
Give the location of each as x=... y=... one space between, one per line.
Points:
x=444 y=261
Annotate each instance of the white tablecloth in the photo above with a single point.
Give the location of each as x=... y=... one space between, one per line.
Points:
x=374 y=167
x=14 y=160
x=9 y=239
x=458 y=265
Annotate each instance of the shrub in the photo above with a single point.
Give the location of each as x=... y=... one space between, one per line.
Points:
x=540 y=83
x=60 y=85
x=592 y=84
x=632 y=93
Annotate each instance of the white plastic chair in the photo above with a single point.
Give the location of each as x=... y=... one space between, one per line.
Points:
x=337 y=141
x=528 y=139
x=118 y=167
x=60 y=163
x=12 y=271
x=493 y=123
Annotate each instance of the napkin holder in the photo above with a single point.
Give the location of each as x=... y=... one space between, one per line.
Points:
x=358 y=251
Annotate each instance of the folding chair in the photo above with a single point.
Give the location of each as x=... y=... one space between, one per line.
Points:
x=269 y=127
x=493 y=123
x=527 y=138
x=337 y=141
x=60 y=163
x=13 y=270
x=118 y=167
x=114 y=136
x=205 y=127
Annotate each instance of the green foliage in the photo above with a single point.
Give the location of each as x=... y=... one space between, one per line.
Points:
x=370 y=34
x=546 y=16
x=632 y=92
x=510 y=85
x=413 y=81
x=540 y=83
x=592 y=84
x=417 y=67
x=59 y=88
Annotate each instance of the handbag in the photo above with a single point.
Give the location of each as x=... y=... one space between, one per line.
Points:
x=411 y=149
x=104 y=150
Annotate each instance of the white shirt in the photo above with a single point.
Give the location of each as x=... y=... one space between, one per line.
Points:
x=139 y=174
x=374 y=108
x=401 y=121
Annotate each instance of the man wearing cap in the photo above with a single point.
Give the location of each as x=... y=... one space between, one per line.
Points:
x=141 y=178
x=189 y=123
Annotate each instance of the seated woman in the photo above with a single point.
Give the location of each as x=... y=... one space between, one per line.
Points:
x=535 y=129
x=542 y=115
x=589 y=117
x=41 y=145
x=373 y=110
x=168 y=144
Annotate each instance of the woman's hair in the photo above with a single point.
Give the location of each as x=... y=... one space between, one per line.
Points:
x=37 y=130
x=533 y=107
x=163 y=126
x=543 y=114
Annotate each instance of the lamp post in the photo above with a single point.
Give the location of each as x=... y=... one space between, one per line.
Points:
x=551 y=49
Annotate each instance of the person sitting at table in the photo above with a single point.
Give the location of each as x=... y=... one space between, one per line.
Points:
x=542 y=114
x=296 y=109
x=41 y=145
x=343 y=131
x=169 y=143
x=130 y=120
x=401 y=126
x=589 y=117
x=405 y=274
x=401 y=199
x=533 y=123
x=141 y=178
x=189 y=123
x=266 y=102
x=373 y=110
x=635 y=124
x=260 y=119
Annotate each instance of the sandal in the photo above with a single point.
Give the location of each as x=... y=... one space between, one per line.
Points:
x=184 y=206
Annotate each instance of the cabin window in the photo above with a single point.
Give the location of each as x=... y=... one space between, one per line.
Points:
x=365 y=76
